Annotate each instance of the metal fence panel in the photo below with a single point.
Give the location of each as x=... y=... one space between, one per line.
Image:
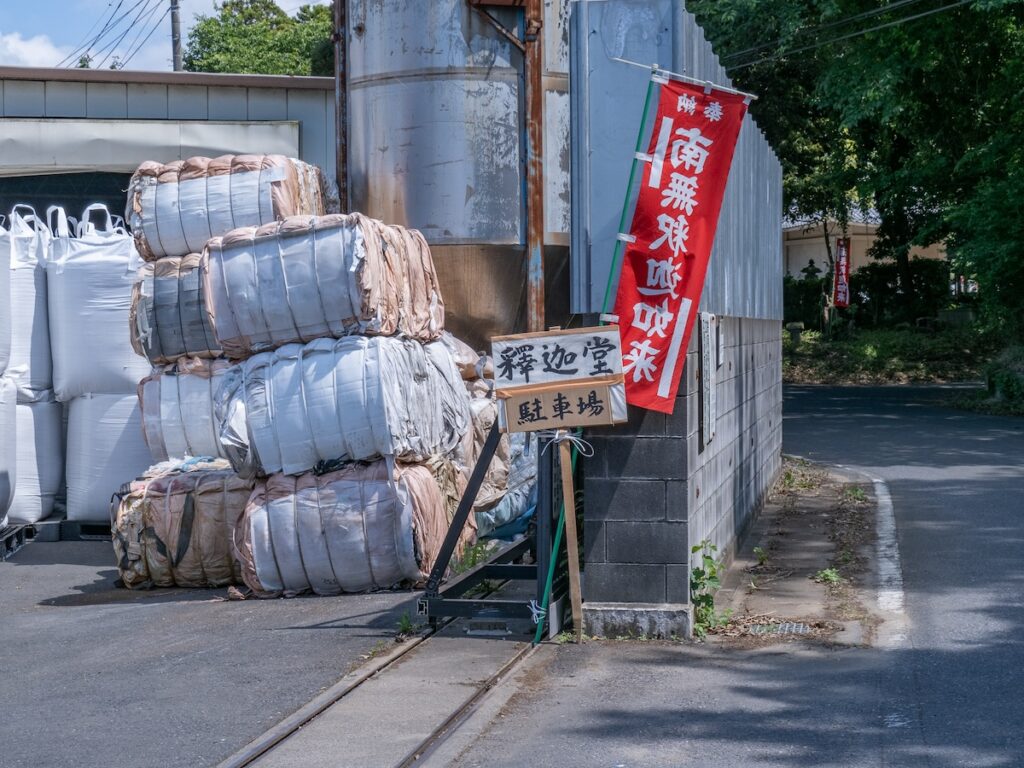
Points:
x=745 y=274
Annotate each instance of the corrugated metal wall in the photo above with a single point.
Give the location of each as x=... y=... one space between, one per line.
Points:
x=745 y=274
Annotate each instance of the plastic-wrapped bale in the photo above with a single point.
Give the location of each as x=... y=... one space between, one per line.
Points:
x=312 y=277
x=483 y=408
x=89 y=281
x=29 y=364
x=175 y=208
x=168 y=317
x=178 y=414
x=351 y=530
x=354 y=399
x=40 y=462
x=104 y=448
x=8 y=444
x=522 y=486
x=174 y=526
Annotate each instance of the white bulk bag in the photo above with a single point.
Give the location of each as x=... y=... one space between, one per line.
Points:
x=8 y=444
x=309 y=277
x=29 y=365
x=354 y=398
x=178 y=417
x=5 y=301
x=168 y=318
x=358 y=528
x=40 y=449
x=105 y=450
x=89 y=280
x=174 y=209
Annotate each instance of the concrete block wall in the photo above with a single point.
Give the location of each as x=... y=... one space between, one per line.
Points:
x=652 y=490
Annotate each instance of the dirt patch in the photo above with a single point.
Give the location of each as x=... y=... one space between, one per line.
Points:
x=804 y=567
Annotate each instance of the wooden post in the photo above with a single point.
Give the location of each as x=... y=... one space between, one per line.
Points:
x=571 y=538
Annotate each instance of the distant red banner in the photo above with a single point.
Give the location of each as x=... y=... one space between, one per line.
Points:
x=670 y=240
x=841 y=288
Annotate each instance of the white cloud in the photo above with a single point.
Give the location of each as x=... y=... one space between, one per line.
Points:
x=38 y=51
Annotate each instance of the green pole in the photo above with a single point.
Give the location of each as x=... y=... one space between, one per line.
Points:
x=554 y=556
x=617 y=255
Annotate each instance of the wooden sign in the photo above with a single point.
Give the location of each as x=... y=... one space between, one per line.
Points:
x=560 y=406
x=559 y=379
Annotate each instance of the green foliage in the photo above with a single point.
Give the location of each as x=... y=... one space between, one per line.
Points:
x=705 y=580
x=828 y=576
x=472 y=556
x=405 y=625
x=1005 y=375
x=257 y=37
x=803 y=300
x=919 y=119
x=855 y=494
x=882 y=297
x=761 y=555
x=887 y=356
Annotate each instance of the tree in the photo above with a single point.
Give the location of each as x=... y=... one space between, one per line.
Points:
x=918 y=118
x=257 y=37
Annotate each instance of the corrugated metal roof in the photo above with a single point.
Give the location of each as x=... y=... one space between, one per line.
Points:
x=76 y=75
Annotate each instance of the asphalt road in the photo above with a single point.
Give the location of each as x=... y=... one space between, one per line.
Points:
x=950 y=694
x=92 y=676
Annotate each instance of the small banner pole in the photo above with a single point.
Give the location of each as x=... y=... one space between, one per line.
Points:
x=571 y=538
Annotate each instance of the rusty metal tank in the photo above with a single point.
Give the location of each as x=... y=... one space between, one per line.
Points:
x=437 y=142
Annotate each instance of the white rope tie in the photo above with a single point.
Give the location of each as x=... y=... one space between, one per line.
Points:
x=550 y=437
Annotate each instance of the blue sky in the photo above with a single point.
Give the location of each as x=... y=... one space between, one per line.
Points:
x=39 y=33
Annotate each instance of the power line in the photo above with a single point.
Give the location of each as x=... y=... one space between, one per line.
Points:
x=821 y=27
x=112 y=47
x=142 y=29
x=85 y=37
x=110 y=27
x=146 y=39
x=904 y=20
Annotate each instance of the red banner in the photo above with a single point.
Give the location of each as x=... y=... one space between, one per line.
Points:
x=670 y=239
x=841 y=288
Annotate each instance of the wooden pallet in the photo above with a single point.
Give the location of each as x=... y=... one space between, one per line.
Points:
x=12 y=539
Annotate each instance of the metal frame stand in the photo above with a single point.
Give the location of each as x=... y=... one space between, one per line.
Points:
x=449 y=601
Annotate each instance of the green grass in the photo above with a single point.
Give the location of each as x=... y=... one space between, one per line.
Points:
x=828 y=576
x=886 y=357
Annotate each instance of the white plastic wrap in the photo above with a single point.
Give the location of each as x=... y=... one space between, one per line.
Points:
x=174 y=209
x=89 y=283
x=351 y=530
x=5 y=301
x=305 y=278
x=105 y=450
x=8 y=443
x=178 y=417
x=351 y=399
x=29 y=363
x=522 y=485
x=168 y=317
x=40 y=449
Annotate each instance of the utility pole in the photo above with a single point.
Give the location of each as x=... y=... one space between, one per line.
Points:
x=176 y=34
x=340 y=40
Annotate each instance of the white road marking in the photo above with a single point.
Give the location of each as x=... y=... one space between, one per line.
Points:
x=891 y=599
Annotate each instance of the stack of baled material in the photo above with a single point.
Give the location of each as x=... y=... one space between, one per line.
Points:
x=174 y=525
x=343 y=399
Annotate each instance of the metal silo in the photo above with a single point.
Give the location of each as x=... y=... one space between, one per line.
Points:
x=437 y=142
